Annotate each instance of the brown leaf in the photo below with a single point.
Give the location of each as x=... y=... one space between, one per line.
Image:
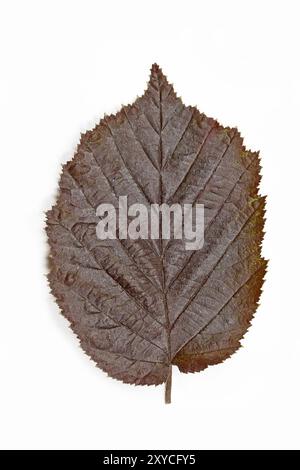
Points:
x=139 y=306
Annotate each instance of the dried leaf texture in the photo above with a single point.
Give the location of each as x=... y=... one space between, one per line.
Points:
x=139 y=306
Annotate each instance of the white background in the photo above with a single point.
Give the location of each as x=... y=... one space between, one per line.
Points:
x=62 y=65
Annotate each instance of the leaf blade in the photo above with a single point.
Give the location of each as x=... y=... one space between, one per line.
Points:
x=139 y=306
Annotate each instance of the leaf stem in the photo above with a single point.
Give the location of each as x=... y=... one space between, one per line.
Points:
x=168 y=387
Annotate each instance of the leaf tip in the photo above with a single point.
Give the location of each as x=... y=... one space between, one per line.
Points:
x=155 y=68
x=156 y=73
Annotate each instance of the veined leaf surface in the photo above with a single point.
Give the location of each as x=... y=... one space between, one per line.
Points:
x=141 y=306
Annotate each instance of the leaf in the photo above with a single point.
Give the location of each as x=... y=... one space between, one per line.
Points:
x=141 y=306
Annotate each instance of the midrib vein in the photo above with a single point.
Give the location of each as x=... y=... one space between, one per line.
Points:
x=161 y=251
